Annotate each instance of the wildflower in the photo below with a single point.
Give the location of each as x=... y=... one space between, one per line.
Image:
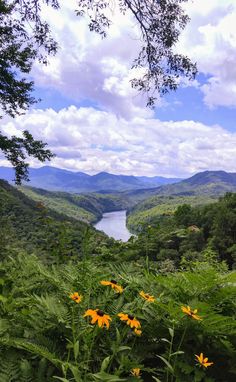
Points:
x=76 y=297
x=147 y=296
x=98 y=316
x=131 y=320
x=191 y=313
x=135 y=372
x=203 y=361
x=113 y=284
x=138 y=332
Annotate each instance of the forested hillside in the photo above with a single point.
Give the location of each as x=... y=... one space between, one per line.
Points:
x=85 y=207
x=30 y=226
x=160 y=307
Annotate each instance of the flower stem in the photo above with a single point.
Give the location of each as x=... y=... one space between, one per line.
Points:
x=180 y=344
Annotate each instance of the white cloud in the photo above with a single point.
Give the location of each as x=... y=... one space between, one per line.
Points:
x=89 y=67
x=89 y=140
x=210 y=40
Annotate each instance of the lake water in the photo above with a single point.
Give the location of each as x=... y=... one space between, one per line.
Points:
x=114 y=225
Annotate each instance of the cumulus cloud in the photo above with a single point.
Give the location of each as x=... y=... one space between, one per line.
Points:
x=89 y=67
x=90 y=140
x=210 y=40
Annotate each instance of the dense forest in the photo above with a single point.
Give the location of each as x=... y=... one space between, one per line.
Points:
x=72 y=311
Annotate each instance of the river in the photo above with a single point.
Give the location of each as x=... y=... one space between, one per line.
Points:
x=114 y=225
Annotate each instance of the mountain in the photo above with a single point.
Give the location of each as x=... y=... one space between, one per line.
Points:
x=200 y=189
x=56 y=179
x=214 y=183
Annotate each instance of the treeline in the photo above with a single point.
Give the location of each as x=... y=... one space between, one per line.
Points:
x=192 y=233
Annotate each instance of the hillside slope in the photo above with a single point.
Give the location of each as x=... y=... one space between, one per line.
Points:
x=41 y=230
x=88 y=208
x=200 y=189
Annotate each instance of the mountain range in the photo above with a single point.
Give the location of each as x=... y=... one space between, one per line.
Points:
x=56 y=179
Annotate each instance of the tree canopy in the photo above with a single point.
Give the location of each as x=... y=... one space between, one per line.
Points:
x=26 y=37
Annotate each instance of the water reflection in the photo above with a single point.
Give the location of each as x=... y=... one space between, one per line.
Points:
x=114 y=225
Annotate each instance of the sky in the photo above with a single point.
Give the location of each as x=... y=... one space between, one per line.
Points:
x=94 y=121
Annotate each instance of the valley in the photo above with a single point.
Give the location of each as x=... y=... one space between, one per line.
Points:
x=57 y=265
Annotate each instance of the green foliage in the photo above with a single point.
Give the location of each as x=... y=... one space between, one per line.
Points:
x=190 y=231
x=16 y=149
x=152 y=210
x=44 y=334
x=89 y=207
x=36 y=229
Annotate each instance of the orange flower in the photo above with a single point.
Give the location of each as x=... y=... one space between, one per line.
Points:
x=203 y=361
x=147 y=296
x=131 y=320
x=76 y=297
x=135 y=372
x=191 y=313
x=113 y=284
x=98 y=316
x=138 y=332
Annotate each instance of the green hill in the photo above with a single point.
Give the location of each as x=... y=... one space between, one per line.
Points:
x=152 y=209
x=29 y=225
x=88 y=208
x=150 y=204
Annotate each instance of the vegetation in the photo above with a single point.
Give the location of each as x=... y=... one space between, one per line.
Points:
x=71 y=312
x=60 y=323
x=89 y=207
x=32 y=227
x=154 y=208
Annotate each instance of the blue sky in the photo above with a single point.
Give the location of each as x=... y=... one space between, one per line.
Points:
x=94 y=121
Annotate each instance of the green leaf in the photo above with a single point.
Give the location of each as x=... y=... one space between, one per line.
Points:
x=76 y=349
x=177 y=352
x=156 y=379
x=104 y=377
x=165 y=340
x=122 y=348
x=171 y=331
x=62 y=379
x=105 y=363
x=167 y=363
x=75 y=373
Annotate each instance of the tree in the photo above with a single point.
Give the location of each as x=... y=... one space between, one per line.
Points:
x=15 y=150
x=160 y=23
x=25 y=37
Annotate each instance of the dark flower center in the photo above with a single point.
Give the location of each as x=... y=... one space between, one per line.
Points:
x=113 y=281
x=130 y=316
x=100 y=313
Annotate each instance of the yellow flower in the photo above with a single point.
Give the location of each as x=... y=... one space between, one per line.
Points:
x=135 y=372
x=203 y=361
x=138 y=332
x=131 y=320
x=191 y=313
x=76 y=297
x=98 y=316
x=147 y=296
x=113 y=284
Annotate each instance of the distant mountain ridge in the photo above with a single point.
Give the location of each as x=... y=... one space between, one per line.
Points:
x=56 y=179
